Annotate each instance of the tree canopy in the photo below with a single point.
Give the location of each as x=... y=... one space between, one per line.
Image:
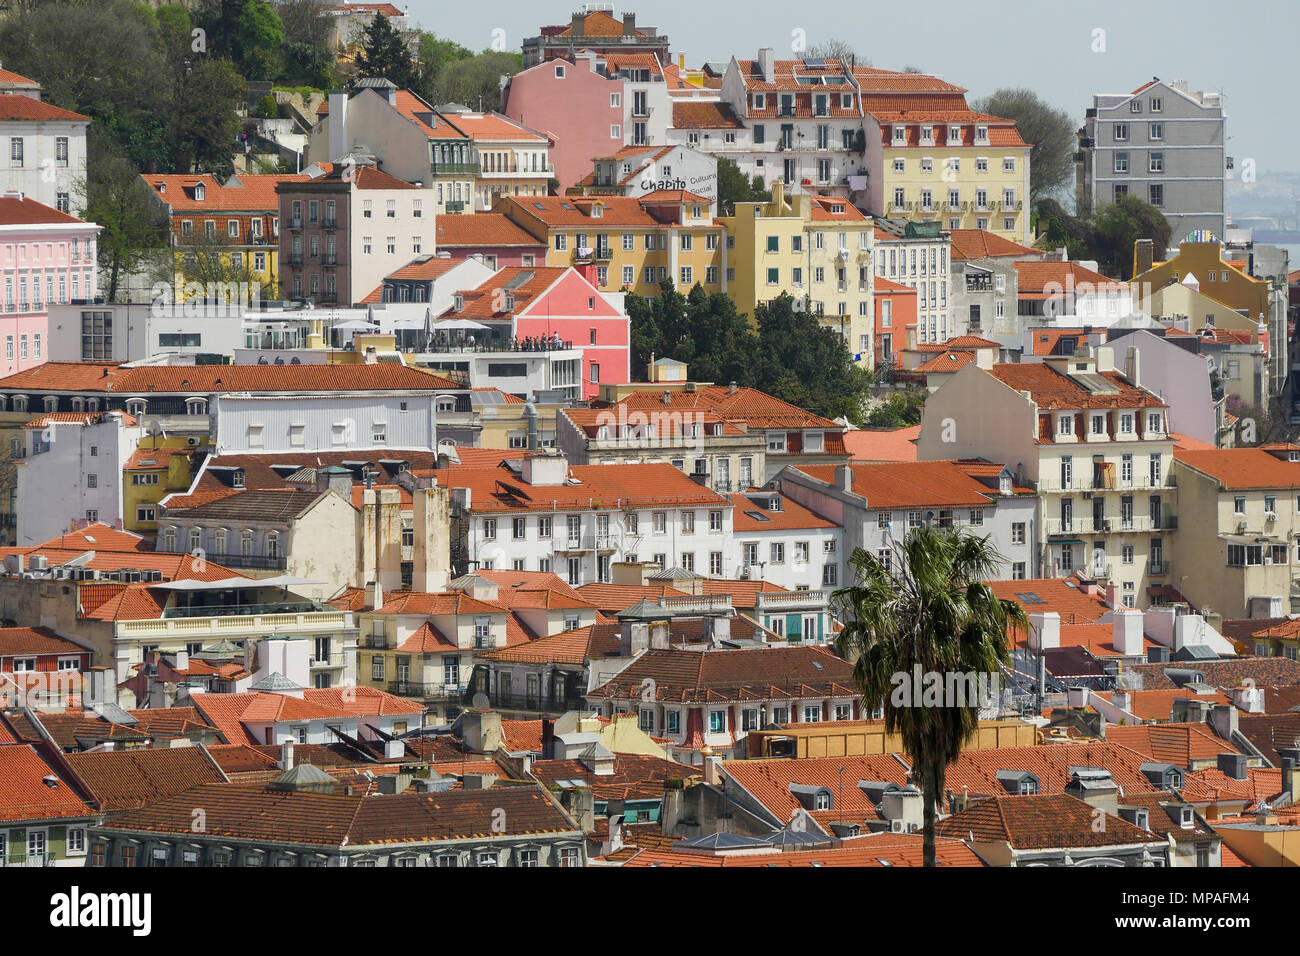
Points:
x=1049 y=132
x=787 y=352
x=384 y=53
x=733 y=187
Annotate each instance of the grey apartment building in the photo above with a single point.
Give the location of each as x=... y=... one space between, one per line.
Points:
x=1163 y=143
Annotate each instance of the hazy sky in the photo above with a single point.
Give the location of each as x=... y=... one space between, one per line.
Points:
x=1239 y=49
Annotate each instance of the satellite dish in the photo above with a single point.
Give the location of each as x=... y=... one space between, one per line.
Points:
x=481 y=702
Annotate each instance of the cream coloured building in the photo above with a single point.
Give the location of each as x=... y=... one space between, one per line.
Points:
x=1092 y=441
x=1239 y=557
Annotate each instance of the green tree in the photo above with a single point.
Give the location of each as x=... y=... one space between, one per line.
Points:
x=898 y=410
x=308 y=56
x=135 y=226
x=476 y=80
x=806 y=363
x=258 y=41
x=384 y=53
x=267 y=108
x=929 y=610
x=733 y=187
x=1060 y=228
x=198 y=94
x=435 y=53
x=1120 y=224
x=1048 y=130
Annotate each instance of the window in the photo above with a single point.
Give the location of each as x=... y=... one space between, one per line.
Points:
x=717 y=721
x=1121 y=132
x=1156 y=132
x=489 y=529
x=1157 y=193
x=16 y=151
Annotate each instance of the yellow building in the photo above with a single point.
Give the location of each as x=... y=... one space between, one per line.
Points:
x=152 y=473
x=224 y=232
x=817 y=249
x=1239 y=555
x=940 y=161
x=1215 y=278
x=634 y=243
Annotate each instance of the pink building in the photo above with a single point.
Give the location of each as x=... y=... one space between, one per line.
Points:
x=580 y=108
x=553 y=304
x=46 y=256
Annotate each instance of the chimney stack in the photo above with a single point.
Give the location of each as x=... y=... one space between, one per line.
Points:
x=286 y=754
x=1044 y=630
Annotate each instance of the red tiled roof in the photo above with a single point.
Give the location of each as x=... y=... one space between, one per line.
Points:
x=15 y=211
x=1158 y=705
x=480 y=229
x=909 y=483
x=835 y=209
x=728 y=675
x=492 y=128
x=569 y=211
x=1040 y=822
x=1057 y=594
x=792 y=516
x=981 y=244
x=573 y=647
x=502 y=490
x=755 y=408
x=691 y=114
x=1051 y=389
x=439 y=603
x=191 y=379
x=126 y=779
x=878 y=849
x=23 y=641
x=946 y=363
x=1040 y=276
x=1178 y=744
x=24 y=795
x=17 y=106
x=1242 y=468
x=246 y=192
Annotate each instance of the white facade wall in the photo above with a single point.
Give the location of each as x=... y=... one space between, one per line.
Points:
x=42 y=175
x=498 y=549
x=54 y=481
x=779 y=555
x=263 y=423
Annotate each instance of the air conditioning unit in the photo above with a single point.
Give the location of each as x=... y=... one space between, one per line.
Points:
x=1105 y=526
x=897 y=826
x=37 y=562
x=744 y=574
x=1087 y=495
x=1270 y=515
x=1241 y=527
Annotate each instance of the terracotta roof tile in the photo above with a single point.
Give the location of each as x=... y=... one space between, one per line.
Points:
x=479 y=229
x=691 y=114
x=981 y=244
x=17 y=106
x=1041 y=822
x=127 y=779
x=1242 y=468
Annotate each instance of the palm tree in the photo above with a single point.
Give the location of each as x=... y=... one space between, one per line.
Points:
x=926 y=608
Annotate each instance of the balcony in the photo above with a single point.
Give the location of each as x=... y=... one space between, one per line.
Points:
x=259 y=562
x=295 y=223
x=333 y=661
x=27 y=859
x=455 y=206
x=1158 y=568
x=240 y=621
x=455 y=169
x=330 y=259
x=330 y=222
x=242 y=610
x=422 y=689
x=294 y=258
x=378 y=642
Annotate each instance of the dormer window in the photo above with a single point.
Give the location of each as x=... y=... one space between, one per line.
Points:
x=697 y=212
x=597 y=211
x=237 y=479
x=981 y=134
x=814 y=441
x=954 y=134
x=460 y=303
x=900 y=134
x=1004 y=485
x=198 y=192
x=559 y=72
x=927 y=135
x=51 y=403
x=760 y=101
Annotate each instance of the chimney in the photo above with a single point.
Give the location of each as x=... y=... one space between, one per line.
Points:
x=548 y=739
x=578 y=25
x=286 y=754
x=777 y=190
x=1233 y=765
x=481 y=730
x=1127 y=630
x=1223 y=720
x=629 y=24
x=394 y=749
x=1044 y=630
x=1143 y=256
x=338 y=128
x=1133 y=365
x=713 y=771
x=767 y=65
x=1078 y=696
x=1289 y=758
x=182 y=660
x=1249 y=699
x=376 y=593
x=844 y=478
x=1121 y=700
x=667 y=397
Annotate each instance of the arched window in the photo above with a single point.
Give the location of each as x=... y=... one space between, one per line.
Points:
x=136 y=406
x=196 y=406
x=51 y=403
x=92 y=404
x=20 y=403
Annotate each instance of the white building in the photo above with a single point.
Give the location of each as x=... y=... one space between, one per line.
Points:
x=877 y=504
x=781 y=541
x=640 y=170
x=539 y=514
x=72 y=471
x=293 y=423
x=45 y=158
